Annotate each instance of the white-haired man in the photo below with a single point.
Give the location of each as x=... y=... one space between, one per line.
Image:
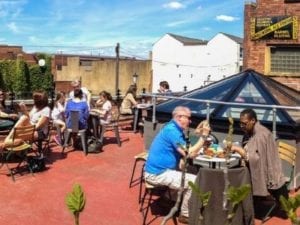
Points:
x=163 y=162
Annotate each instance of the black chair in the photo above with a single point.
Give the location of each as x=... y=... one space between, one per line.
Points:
x=74 y=131
x=141 y=157
x=43 y=141
x=113 y=125
x=153 y=193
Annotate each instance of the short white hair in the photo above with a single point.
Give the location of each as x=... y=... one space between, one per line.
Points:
x=179 y=109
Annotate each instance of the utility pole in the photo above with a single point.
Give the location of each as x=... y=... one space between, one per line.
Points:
x=117 y=72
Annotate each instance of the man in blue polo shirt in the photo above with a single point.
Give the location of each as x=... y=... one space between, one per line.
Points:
x=163 y=162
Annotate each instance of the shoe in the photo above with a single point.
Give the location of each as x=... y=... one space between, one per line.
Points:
x=57 y=140
x=183 y=219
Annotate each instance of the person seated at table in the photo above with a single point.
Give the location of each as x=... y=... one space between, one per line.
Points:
x=58 y=116
x=163 y=162
x=39 y=116
x=129 y=102
x=260 y=152
x=7 y=116
x=80 y=105
x=164 y=88
x=104 y=107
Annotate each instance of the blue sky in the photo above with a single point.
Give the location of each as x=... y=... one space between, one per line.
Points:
x=95 y=26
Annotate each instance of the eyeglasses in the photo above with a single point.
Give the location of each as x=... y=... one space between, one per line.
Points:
x=185 y=116
x=243 y=124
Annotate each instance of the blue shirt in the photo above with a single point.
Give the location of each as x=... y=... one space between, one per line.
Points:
x=163 y=152
x=83 y=109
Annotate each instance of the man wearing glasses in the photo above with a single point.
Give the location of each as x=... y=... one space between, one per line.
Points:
x=168 y=147
x=261 y=155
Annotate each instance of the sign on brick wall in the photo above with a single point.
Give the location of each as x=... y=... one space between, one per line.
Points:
x=279 y=27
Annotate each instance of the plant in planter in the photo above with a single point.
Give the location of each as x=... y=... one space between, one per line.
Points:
x=203 y=198
x=75 y=202
x=235 y=196
x=290 y=206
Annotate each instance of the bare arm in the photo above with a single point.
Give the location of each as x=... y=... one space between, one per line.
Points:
x=205 y=130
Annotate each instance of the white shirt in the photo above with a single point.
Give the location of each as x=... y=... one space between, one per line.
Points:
x=36 y=115
x=58 y=112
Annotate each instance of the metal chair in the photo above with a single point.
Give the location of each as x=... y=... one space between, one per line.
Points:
x=141 y=157
x=43 y=141
x=113 y=125
x=75 y=131
x=25 y=134
x=150 y=192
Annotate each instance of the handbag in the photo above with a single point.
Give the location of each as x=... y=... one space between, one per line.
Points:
x=36 y=164
x=94 y=145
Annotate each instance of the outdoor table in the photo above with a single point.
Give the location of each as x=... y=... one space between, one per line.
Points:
x=213 y=180
x=217 y=163
x=137 y=111
x=6 y=124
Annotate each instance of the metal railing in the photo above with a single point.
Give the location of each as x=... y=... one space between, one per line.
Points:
x=209 y=102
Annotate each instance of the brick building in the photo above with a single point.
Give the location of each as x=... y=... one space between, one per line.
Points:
x=272 y=39
x=13 y=52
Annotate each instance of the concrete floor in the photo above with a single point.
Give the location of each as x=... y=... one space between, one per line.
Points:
x=40 y=199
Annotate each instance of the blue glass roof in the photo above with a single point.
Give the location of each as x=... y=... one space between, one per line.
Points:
x=245 y=87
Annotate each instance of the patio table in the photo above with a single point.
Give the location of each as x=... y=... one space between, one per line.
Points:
x=213 y=180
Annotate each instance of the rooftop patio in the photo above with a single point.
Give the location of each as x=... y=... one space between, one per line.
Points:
x=40 y=199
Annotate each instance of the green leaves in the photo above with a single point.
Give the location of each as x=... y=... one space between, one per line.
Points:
x=237 y=194
x=290 y=206
x=75 y=200
x=202 y=196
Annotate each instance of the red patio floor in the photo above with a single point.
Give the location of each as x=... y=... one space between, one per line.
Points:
x=39 y=199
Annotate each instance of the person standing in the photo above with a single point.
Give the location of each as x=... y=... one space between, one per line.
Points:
x=260 y=152
x=165 y=153
x=86 y=94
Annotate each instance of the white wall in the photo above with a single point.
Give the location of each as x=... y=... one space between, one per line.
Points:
x=190 y=65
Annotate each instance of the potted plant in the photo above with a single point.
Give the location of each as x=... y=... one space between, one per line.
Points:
x=290 y=206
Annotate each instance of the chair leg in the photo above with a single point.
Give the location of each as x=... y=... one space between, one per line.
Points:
x=132 y=173
x=267 y=216
x=141 y=182
x=83 y=142
x=117 y=135
x=146 y=210
x=103 y=129
x=67 y=139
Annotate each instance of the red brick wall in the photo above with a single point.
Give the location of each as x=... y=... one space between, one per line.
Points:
x=254 y=51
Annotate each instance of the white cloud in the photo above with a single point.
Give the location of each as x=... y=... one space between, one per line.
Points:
x=177 y=23
x=199 y=7
x=226 y=18
x=32 y=39
x=174 y=5
x=13 y=27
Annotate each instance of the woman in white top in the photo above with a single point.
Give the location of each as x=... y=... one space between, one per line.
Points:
x=58 y=116
x=104 y=107
x=38 y=116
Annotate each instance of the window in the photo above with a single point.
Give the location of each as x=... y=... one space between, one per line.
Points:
x=85 y=63
x=285 y=60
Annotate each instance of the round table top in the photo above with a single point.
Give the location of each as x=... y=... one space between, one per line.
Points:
x=6 y=124
x=206 y=158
